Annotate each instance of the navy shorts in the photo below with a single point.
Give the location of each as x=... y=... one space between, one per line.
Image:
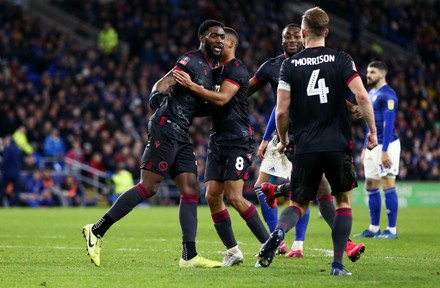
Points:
x=308 y=169
x=229 y=160
x=168 y=150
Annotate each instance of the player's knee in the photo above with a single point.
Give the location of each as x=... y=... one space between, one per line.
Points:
x=234 y=199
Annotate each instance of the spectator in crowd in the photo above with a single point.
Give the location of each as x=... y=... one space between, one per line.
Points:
x=122 y=181
x=107 y=38
x=10 y=168
x=72 y=190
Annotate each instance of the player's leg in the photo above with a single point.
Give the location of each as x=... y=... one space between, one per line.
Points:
x=305 y=172
x=270 y=215
x=184 y=174
x=389 y=188
x=300 y=236
x=222 y=223
x=247 y=210
x=340 y=172
x=392 y=205
x=372 y=169
x=154 y=159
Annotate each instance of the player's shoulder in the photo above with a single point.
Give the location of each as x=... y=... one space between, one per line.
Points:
x=278 y=60
x=389 y=91
x=238 y=67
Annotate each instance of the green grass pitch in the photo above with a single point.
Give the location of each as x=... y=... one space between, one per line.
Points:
x=45 y=248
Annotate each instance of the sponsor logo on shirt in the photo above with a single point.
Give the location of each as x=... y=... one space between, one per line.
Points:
x=390 y=104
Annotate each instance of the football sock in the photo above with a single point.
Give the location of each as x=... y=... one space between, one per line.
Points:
x=288 y=218
x=392 y=204
x=188 y=250
x=270 y=215
x=188 y=217
x=374 y=203
x=127 y=201
x=102 y=225
x=301 y=226
x=297 y=245
x=223 y=226
x=254 y=223
x=327 y=209
x=340 y=232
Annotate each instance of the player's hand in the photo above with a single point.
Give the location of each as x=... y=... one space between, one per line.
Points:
x=356 y=112
x=182 y=78
x=371 y=140
x=156 y=99
x=262 y=149
x=281 y=147
x=386 y=161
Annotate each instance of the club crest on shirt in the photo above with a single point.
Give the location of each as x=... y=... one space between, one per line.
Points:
x=390 y=104
x=184 y=60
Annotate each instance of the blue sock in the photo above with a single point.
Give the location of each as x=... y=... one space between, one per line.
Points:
x=374 y=203
x=392 y=205
x=301 y=226
x=270 y=215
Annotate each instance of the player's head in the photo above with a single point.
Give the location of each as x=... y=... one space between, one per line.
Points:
x=376 y=73
x=314 y=23
x=211 y=36
x=231 y=36
x=291 y=39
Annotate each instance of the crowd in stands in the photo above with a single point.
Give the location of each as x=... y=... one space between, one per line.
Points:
x=59 y=99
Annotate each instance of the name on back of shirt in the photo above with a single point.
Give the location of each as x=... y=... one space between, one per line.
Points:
x=313 y=60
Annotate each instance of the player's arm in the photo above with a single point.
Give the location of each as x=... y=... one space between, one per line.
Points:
x=254 y=86
x=227 y=89
x=282 y=113
x=160 y=89
x=270 y=128
x=362 y=98
x=389 y=118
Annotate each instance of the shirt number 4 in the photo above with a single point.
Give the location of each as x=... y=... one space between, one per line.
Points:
x=321 y=90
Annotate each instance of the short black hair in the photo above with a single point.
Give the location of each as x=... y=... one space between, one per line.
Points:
x=229 y=30
x=292 y=25
x=208 y=24
x=288 y=26
x=379 y=65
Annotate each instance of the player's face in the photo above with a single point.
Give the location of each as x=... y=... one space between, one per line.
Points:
x=373 y=76
x=291 y=42
x=214 y=41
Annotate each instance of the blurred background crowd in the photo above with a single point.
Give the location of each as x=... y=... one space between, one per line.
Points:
x=60 y=99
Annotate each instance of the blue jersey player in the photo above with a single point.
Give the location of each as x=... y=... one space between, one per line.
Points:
x=381 y=164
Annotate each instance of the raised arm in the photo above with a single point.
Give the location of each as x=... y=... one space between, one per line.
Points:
x=160 y=89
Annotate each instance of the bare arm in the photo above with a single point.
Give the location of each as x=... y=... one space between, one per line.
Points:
x=254 y=86
x=220 y=98
x=164 y=84
x=357 y=88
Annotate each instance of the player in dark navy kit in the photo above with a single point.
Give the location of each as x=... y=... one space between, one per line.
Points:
x=169 y=149
x=275 y=164
x=231 y=148
x=311 y=94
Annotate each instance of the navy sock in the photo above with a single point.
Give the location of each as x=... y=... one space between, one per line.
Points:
x=392 y=204
x=270 y=215
x=301 y=226
x=223 y=226
x=374 y=203
x=340 y=232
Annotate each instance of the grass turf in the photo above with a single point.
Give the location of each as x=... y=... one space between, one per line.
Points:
x=45 y=248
